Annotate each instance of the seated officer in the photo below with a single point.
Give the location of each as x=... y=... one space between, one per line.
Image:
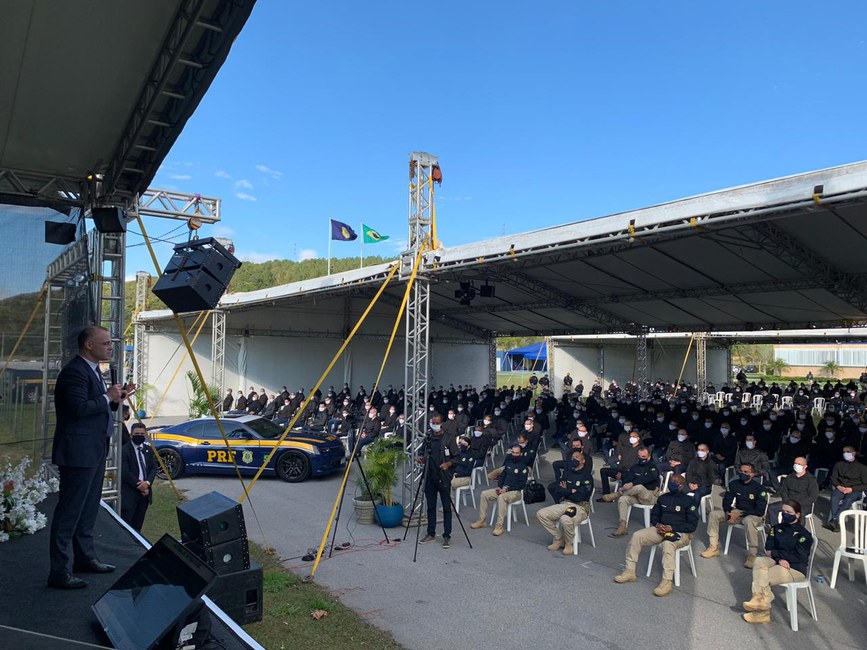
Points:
x=700 y=474
x=463 y=463
x=640 y=485
x=571 y=503
x=510 y=488
x=673 y=520
x=848 y=483
x=744 y=502
x=368 y=431
x=799 y=485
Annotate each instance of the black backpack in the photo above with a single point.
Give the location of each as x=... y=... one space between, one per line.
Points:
x=534 y=492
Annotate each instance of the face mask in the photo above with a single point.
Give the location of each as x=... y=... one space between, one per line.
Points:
x=743 y=422
x=766 y=427
x=794 y=440
x=701 y=453
x=538 y=410
x=460 y=409
x=451 y=416
x=582 y=434
x=773 y=417
x=401 y=421
x=725 y=432
x=445 y=401
x=673 y=486
x=848 y=456
x=683 y=410
x=137 y=439
x=660 y=419
x=788 y=518
x=621 y=420
x=681 y=438
x=672 y=427
x=464 y=445
x=745 y=478
x=435 y=427
x=800 y=426
x=431 y=409
x=829 y=422
x=695 y=417
x=633 y=440
x=477 y=434
x=862 y=429
x=614 y=415
x=321 y=409
x=726 y=412
x=642 y=460
x=528 y=427
x=750 y=444
x=798 y=468
x=496 y=411
x=708 y=425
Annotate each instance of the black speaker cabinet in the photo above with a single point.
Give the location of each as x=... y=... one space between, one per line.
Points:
x=196 y=276
x=239 y=594
x=211 y=519
x=228 y=557
x=59 y=233
x=108 y=219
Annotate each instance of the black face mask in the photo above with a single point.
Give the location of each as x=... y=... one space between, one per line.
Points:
x=137 y=439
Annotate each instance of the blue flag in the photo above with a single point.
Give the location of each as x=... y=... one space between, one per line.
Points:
x=342 y=231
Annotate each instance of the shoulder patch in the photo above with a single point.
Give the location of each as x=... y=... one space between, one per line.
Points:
x=692 y=508
x=802 y=539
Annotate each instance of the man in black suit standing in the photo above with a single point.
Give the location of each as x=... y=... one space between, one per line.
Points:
x=85 y=422
x=137 y=471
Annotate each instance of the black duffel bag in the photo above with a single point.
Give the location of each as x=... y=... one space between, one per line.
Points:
x=534 y=492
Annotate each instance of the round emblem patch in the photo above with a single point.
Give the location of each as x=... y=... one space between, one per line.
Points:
x=247 y=457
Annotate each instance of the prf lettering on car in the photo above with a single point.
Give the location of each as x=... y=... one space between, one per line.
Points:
x=221 y=456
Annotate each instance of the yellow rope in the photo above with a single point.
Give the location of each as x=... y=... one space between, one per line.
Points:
x=27 y=325
x=685 y=359
x=303 y=406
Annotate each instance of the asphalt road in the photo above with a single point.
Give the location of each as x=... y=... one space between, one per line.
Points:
x=510 y=592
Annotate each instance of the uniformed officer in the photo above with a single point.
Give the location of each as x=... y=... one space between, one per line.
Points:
x=463 y=463
x=640 y=485
x=438 y=479
x=673 y=520
x=745 y=502
x=510 y=488
x=786 y=557
x=572 y=504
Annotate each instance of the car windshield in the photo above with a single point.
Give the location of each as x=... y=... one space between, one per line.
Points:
x=265 y=428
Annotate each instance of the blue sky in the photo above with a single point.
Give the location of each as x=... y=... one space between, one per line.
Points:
x=541 y=113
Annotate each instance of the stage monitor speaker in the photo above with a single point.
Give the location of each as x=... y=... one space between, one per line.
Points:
x=160 y=589
x=196 y=276
x=108 y=219
x=486 y=291
x=239 y=594
x=227 y=557
x=211 y=519
x=59 y=233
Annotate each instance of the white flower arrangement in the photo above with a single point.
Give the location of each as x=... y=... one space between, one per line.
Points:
x=19 y=498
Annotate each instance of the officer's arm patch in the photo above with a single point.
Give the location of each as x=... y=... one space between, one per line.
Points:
x=802 y=539
x=692 y=507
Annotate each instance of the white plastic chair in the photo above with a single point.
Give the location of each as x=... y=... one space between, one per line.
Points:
x=786 y=401
x=684 y=549
x=757 y=401
x=576 y=535
x=858 y=549
x=479 y=473
x=741 y=526
x=746 y=399
x=511 y=513
x=461 y=495
x=646 y=508
x=720 y=399
x=818 y=406
x=705 y=505
x=792 y=592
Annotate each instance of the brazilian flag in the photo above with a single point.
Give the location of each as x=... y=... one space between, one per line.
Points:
x=371 y=236
x=342 y=231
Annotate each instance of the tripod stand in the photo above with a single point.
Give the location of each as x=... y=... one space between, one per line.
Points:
x=443 y=477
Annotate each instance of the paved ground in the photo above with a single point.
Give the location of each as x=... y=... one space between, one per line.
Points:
x=510 y=592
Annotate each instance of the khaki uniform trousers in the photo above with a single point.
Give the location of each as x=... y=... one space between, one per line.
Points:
x=766 y=572
x=649 y=537
x=462 y=481
x=551 y=516
x=635 y=494
x=503 y=499
x=751 y=526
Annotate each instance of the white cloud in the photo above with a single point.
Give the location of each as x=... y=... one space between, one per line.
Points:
x=222 y=231
x=399 y=245
x=307 y=254
x=180 y=177
x=273 y=173
x=222 y=173
x=257 y=258
x=244 y=196
x=243 y=184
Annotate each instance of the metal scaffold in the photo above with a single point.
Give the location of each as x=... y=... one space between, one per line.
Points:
x=641 y=359
x=424 y=171
x=701 y=362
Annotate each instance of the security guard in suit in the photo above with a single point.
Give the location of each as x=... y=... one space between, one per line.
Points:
x=673 y=520
x=745 y=502
x=572 y=496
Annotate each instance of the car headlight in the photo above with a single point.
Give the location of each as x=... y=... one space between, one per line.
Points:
x=315 y=450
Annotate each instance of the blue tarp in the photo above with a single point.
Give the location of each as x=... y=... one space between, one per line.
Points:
x=529 y=357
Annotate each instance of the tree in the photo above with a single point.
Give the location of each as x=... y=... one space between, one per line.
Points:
x=760 y=356
x=198 y=404
x=777 y=367
x=830 y=369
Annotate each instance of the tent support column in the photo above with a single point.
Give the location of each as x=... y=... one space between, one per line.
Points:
x=700 y=362
x=492 y=361
x=218 y=350
x=641 y=360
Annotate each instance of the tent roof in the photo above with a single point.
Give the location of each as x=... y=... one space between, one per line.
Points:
x=536 y=351
x=780 y=254
x=104 y=87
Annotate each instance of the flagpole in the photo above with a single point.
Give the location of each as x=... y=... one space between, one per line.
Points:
x=362 y=245
x=329 y=245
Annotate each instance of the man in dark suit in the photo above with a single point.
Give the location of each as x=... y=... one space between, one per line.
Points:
x=138 y=468
x=85 y=422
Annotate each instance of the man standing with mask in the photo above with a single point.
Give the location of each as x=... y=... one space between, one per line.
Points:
x=743 y=503
x=137 y=471
x=440 y=454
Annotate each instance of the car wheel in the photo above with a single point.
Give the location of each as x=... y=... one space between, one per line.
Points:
x=173 y=462
x=293 y=467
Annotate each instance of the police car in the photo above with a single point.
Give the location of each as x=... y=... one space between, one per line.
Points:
x=196 y=447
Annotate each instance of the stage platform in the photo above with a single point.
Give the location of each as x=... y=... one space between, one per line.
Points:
x=33 y=615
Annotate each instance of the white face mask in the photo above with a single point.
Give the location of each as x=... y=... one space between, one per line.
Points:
x=800 y=426
x=829 y=435
x=848 y=456
x=766 y=427
x=725 y=432
x=477 y=434
x=750 y=444
x=632 y=440
x=321 y=409
x=708 y=425
x=672 y=427
x=793 y=440
x=701 y=453
x=460 y=409
x=371 y=415
x=451 y=416
x=528 y=427
x=435 y=427
x=798 y=468
x=681 y=438
x=401 y=421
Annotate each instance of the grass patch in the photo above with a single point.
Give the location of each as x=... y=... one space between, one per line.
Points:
x=288 y=601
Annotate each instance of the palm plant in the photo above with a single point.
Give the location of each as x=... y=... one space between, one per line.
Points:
x=777 y=367
x=830 y=368
x=198 y=405
x=380 y=467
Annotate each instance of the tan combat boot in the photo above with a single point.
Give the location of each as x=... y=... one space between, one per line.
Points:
x=621 y=530
x=758 y=617
x=556 y=545
x=710 y=551
x=479 y=523
x=608 y=498
x=567 y=550
x=498 y=530
x=663 y=588
x=758 y=603
x=628 y=575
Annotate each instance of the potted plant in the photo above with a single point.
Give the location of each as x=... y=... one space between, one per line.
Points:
x=365 y=504
x=383 y=458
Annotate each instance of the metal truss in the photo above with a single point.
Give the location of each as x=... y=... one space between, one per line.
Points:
x=641 y=359
x=492 y=362
x=38 y=189
x=194 y=48
x=218 y=350
x=176 y=205
x=700 y=361
x=141 y=352
x=417 y=351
